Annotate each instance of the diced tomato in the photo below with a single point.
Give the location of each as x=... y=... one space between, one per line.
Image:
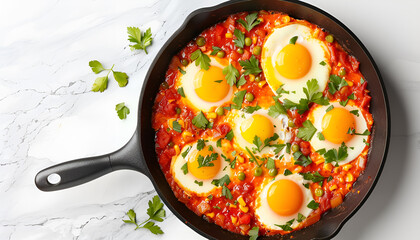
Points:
x=162 y=138
x=354 y=64
x=223 y=129
x=245 y=219
x=305 y=148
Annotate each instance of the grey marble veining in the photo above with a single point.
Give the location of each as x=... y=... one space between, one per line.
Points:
x=48 y=114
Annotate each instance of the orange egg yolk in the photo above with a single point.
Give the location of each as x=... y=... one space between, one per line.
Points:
x=293 y=61
x=211 y=85
x=203 y=172
x=257 y=125
x=285 y=197
x=336 y=124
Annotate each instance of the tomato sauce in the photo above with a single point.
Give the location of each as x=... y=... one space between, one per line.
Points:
x=168 y=105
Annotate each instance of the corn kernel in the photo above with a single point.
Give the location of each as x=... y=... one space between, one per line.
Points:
x=286 y=19
x=226 y=145
x=211 y=115
x=234 y=219
x=349 y=177
x=261 y=84
x=319 y=161
x=232 y=205
x=316 y=32
x=177 y=150
x=347 y=167
x=241 y=201
x=228 y=35
x=333 y=187
x=348 y=186
x=171 y=100
x=186 y=134
x=341 y=179
x=181 y=122
x=260 y=19
x=240 y=159
x=298 y=169
x=251 y=77
x=328 y=166
x=243 y=208
x=336 y=169
x=254 y=40
x=350 y=83
x=339 y=64
x=210 y=215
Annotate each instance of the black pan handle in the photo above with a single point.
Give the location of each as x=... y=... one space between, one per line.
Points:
x=76 y=172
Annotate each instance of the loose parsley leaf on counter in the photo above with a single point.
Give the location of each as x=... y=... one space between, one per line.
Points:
x=250 y=21
x=96 y=66
x=101 y=83
x=122 y=110
x=121 y=78
x=307 y=131
x=155 y=212
x=201 y=59
x=250 y=66
x=240 y=38
x=140 y=40
x=231 y=74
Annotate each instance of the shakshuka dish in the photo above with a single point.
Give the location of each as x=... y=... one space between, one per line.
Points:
x=262 y=123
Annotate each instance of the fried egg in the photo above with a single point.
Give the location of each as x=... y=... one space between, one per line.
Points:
x=205 y=89
x=292 y=65
x=246 y=126
x=192 y=177
x=334 y=125
x=281 y=200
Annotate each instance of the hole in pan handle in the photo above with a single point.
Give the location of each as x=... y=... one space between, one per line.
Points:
x=79 y=171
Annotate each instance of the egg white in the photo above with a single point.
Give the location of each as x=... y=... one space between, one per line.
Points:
x=186 y=181
x=268 y=217
x=191 y=97
x=277 y=40
x=237 y=117
x=356 y=142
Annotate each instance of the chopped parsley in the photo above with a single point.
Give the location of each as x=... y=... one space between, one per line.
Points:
x=313 y=205
x=231 y=74
x=314 y=177
x=250 y=66
x=240 y=38
x=200 y=121
x=287 y=226
x=184 y=168
x=336 y=83
x=198 y=183
x=287 y=172
x=251 y=109
x=181 y=91
x=201 y=59
x=250 y=21
x=307 y=131
x=207 y=161
x=181 y=71
x=184 y=154
x=229 y=136
x=176 y=126
x=293 y=40
x=215 y=50
x=238 y=99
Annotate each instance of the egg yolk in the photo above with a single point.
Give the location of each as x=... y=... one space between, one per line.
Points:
x=293 y=61
x=204 y=172
x=285 y=197
x=336 y=124
x=211 y=85
x=257 y=125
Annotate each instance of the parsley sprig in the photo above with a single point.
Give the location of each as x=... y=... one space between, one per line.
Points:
x=312 y=96
x=122 y=110
x=287 y=226
x=240 y=38
x=201 y=59
x=336 y=83
x=250 y=66
x=207 y=161
x=307 y=131
x=231 y=74
x=250 y=21
x=155 y=212
x=140 y=40
x=101 y=83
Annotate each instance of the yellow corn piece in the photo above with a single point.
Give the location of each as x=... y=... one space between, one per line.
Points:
x=336 y=169
x=254 y=40
x=171 y=100
x=241 y=201
x=333 y=187
x=341 y=179
x=176 y=147
x=226 y=145
x=339 y=64
x=349 y=177
x=348 y=186
x=350 y=83
x=261 y=84
x=234 y=219
x=251 y=77
x=319 y=161
x=171 y=123
x=210 y=215
x=316 y=32
x=260 y=19
x=240 y=159
x=181 y=122
x=186 y=134
x=243 y=208
x=328 y=166
x=286 y=19
x=347 y=167
x=228 y=35
x=298 y=169
x=211 y=115
x=232 y=205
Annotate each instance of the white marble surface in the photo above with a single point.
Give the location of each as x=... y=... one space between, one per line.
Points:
x=49 y=115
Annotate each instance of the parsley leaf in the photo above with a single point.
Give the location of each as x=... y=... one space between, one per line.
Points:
x=351 y=96
x=312 y=93
x=277 y=109
x=226 y=192
x=362 y=80
x=229 y=136
x=336 y=83
x=198 y=183
x=181 y=71
x=141 y=41
x=301 y=159
x=201 y=59
x=155 y=229
x=352 y=131
x=253 y=233
x=323 y=63
x=238 y=99
x=287 y=172
x=121 y=78
x=200 y=144
x=270 y=163
x=329 y=108
x=287 y=226
x=184 y=154
x=241 y=81
x=250 y=21
x=251 y=109
x=219 y=143
x=257 y=142
x=314 y=177
x=225 y=180
x=96 y=66
x=365 y=142
x=200 y=121
x=100 y=84
x=302 y=106
x=344 y=103
x=307 y=131
x=181 y=91
x=321 y=136
x=184 y=168
x=176 y=126
x=207 y=161
x=231 y=74
x=240 y=38
x=333 y=155
x=278 y=148
x=293 y=40
x=215 y=50
x=250 y=66
x=313 y=205
x=122 y=110
x=301 y=217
